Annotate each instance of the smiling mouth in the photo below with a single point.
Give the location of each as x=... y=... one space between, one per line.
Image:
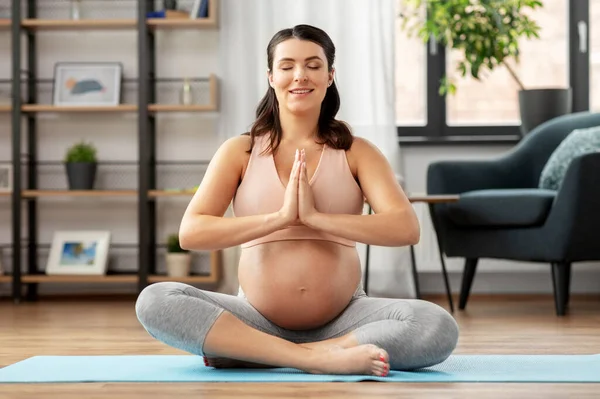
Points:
x=303 y=91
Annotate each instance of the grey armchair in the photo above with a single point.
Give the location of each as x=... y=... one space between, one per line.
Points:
x=503 y=214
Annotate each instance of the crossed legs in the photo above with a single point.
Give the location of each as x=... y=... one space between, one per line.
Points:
x=369 y=337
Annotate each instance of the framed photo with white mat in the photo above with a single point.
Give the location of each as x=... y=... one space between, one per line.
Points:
x=6 y=175
x=79 y=252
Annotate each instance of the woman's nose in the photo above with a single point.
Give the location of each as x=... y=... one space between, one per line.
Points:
x=300 y=75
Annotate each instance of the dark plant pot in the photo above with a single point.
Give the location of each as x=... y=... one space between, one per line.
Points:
x=81 y=175
x=540 y=105
x=170 y=4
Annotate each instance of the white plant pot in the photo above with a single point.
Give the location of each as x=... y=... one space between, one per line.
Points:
x=178 y=264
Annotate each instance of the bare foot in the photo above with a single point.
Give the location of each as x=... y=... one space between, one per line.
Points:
x=345 y=342
x=226 y=363
x=363 y=359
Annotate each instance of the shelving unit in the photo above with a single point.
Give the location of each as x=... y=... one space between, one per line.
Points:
x=80 y=24
x=71 y=109
x=78 y=193
x=26 y=188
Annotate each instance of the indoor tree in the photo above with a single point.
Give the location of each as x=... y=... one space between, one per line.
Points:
x=485 y=32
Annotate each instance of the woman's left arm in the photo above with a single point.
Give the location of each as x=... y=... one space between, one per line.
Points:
x=394 y=222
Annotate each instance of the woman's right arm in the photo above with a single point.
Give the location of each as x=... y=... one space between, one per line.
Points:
x=203 y=226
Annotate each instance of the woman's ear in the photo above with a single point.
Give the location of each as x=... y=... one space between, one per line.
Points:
x=270 y=77
x=331 y=76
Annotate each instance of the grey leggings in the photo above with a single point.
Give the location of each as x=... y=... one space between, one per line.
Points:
x=415 y=333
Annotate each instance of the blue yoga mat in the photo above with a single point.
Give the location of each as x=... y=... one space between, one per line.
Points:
x=188 y=368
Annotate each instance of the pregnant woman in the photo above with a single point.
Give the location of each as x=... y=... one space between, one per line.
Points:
x=298 y=181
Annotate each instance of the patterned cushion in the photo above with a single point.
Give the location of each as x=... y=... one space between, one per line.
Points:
x=577 y=143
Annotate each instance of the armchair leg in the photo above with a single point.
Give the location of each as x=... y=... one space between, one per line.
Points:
x=467 y=281
x=561 y=281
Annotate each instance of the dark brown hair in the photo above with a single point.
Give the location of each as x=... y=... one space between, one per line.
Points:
x=331 y=132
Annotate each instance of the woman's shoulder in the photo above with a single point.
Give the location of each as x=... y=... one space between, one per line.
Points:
x=236 y=145
x=362 y=147
x=362 y=151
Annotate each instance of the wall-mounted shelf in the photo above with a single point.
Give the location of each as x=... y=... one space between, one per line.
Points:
x=213 y=105
x=5 y=279
x=189 y=279
x=78 y=193
x=5 y=108
x=213 y=277
x=200 y=23
x=183 y=23
x=55 y=108
x=167 y=193
x=42 y=278
x=180 y=108
x=5 y=194
x=5 y=24
x=58 y=24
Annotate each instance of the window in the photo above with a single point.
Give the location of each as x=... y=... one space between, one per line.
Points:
x=594 y=42
x=494 y=99
x=488 y=109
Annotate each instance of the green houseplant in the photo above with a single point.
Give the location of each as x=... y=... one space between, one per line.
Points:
x=81 y=164
x=487 y=34
x=178 y=260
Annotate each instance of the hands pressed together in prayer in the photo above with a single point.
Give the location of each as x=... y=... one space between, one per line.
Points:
x=298 y=201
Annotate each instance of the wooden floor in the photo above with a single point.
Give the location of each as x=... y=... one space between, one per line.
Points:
x=510 y=325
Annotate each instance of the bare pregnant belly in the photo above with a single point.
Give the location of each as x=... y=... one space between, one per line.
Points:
x=299 y=284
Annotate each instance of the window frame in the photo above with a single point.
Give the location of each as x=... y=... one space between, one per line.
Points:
x=437 y=131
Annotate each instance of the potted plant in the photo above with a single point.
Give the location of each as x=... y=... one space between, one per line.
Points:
x=487 y=34
x=178 y=260
x=81 y=165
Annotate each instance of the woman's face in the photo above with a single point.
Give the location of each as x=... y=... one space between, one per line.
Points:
x=300 y=75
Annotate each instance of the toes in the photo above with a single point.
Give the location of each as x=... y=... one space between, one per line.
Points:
x=383 y=356
x=380 y=370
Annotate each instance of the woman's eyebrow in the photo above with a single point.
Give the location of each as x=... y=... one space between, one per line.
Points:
x=314 y=57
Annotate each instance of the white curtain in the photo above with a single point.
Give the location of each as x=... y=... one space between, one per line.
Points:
x=363 y=33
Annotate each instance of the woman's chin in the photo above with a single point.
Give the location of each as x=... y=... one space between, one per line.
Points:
x=302 y=109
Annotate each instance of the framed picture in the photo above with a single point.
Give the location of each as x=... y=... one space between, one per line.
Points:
x=87 y=84
x=79 y=252
x=6 y=176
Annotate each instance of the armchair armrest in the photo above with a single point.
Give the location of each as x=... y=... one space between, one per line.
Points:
x=455 y=177
x=576 y=211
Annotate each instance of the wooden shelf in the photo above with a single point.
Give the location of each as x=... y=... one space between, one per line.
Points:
x=189 y=279
x=5 y=279
x=5 y=108
x=214 y=276
x=5 y=193
x=5 y=23
x=173 y=193
x=199 y=23
x=94 y=24
x=55 y=108
x=211 y=106
x=67 y=24
x=79 y=193
x=180 y=108
x=184 y=23
x=42 y=278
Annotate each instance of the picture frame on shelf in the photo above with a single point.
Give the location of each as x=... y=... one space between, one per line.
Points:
x=79 y=252
x=87 y=84
x=6 y=178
